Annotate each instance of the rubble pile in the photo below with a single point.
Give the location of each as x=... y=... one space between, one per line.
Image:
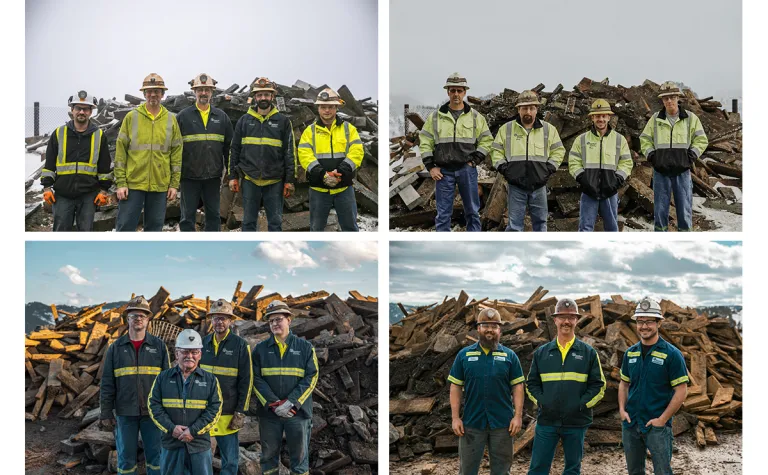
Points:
x=297 y=103
x=64 y=364
x=716 y=176
x=424 y=344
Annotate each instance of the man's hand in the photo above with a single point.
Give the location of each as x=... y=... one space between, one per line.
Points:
x=457 y=425
x=234 y=185
x=284 y=409
x=101 y=199
x=288 y=189
x=658 y=422
x=122 y=193
x=48 y=196
x=178 y=430
x=108 y=424
x=435 y=174
x=171 y=193
x=625 y=416
x=186 y=436
x=515 y=425
x=237 y=422
x=331 y=179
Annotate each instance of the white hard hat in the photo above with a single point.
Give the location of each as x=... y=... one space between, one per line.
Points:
x=648 y=308
x=82 y=98
x=189 y=340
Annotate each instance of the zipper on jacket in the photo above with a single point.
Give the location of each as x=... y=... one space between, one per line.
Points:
x=600 y=173
x=527 y=138
x=455 y=123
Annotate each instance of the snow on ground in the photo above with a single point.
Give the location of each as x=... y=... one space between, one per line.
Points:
x=724 y=221
x=32 y=161
x=367 y=223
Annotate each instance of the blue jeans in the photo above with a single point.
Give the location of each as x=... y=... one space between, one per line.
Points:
x=472 y=446
x=151 y=202
x=229 y=450
x=663 y=189
x=127 y=441
x=271 y=196
x=68 y=210
x=180 y=462
x=297 y=433
x=657 y=440
x=536 y=201
x=545 y=442
x=466 y=178
x=320 y=205
x=191 y=191
x=608 y=209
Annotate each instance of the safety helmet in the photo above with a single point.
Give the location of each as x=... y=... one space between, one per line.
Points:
x=277 y=307
x=669 y=88
x=202 y=80
x=82 y=98
x=600 y=106
x=456 y=80
x=189 y=340
x=221 y=307
x=565 y=307
x=263 y=84
x=648 y=307
x=153 y=81
x=138 y=303
x=527 y=98
x=329 y=97
x=488 y=315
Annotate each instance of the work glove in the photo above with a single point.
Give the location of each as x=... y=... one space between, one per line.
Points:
x=275 y=405
x=288 y=189
x=552 y=169
x=284 y=409
x=620 y=180
x=476 y=158
x=108 y=424
x=237 y=422
x=48 y=196
x=692 y=155
x=331 y=179
x=651 y=156
x=101 y=199
x=234 y=185
x=344 y=169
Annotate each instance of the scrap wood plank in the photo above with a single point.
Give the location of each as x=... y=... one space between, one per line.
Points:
x=82 y=399
x=525 y=439
x=94 y=340
x=722 y=396
x=54 y=384
x=401 y=183
x=411 y=406
x=357 y=295
x=93 y=435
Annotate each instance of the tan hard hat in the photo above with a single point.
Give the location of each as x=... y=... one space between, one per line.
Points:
x=527 y=98
x=600 y=106
x=221 y=307
x=648 y=308
x=138 y=303
x=203 y=80
x=565 y=307
x=153 y=81
x=456 y=80
x=263 y=84
x=488 y=315
x=329 y=97
x=277 y=307
x=669 y=88
x=82 y=98
x=189 y=340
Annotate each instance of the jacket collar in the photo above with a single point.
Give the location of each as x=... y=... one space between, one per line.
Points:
x=208 y=339
x=661 y=344
x=273 y=341
x=198 y=371
x=682 y=114
x=91 y=127
x=143 y=110
x=578 y=345
x=478 y=347
x=593 y=131
x=272 y=111
x=445 y=108
x=126 y=339
x=536 y=122
x=336 y=123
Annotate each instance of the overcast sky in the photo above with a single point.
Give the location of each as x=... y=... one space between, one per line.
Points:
x=91 y=272
x=518 y=45
x=688 y=273
x=108 y=47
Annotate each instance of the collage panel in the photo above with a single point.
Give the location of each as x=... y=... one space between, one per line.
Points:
x=566 y=357
x=201 y=357
x=553 y=122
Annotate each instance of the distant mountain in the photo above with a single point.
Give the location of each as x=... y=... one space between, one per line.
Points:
x=39 y=314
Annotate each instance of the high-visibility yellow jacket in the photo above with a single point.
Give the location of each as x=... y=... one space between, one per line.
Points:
x=322 y=149
x=672 y=149
x=600 y=164
x=447 y=143
x=527 y=159
x=148 y=152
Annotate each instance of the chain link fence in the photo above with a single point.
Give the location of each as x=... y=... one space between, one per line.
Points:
x=399 y=123
x=43 y=120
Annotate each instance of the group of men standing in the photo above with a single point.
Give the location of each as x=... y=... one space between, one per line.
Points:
x=565 y=383
x=527 y=151
x=177 y=409
x=159 y=154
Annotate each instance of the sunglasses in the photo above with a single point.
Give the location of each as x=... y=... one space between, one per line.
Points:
x=455 y=91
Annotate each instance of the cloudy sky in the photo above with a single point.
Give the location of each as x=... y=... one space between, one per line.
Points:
x=83 y=273
x=107 y=48
x=519 y=45
x=688 y=273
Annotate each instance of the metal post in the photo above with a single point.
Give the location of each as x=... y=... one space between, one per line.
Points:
x=735 y=106
x=405 y=119
x=37 y=119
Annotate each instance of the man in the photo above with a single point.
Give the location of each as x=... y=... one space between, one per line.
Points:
x=206 y=132
x=652 y=389
x=672 y=140
x=527 y=151
x=330 y=150
x=566 y=381
x=600 y=162
x=228 y=357
x=453 y=141
x=77 y=167
x=147 y=160
x=130 y=366
x=263 y=153
x=285 y=372
x=185 y=404
x=492 y=378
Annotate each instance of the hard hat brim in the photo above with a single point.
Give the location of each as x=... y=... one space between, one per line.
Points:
x=448 y=86
x=528 y=103
x=663 y=94
x=647 y=314
x=562 y=314
x=143 y=88
x=148 y=312
x=602 y=112
x=262 y=89
x=328 y=103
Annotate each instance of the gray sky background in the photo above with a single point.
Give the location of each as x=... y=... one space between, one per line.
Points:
x=688 y=273
x=517 y=45
x=333 y=42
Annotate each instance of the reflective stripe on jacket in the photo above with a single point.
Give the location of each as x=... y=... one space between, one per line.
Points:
x=263 y=148
x=447 y=142
x=672 y=142
x=206 y=147
x=232 y=367
x=596 y=162
x=148 y=152
x=322 y=149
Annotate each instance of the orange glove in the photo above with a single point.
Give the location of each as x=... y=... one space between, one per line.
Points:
x=48 y=196
x=234 y=185
x=101 y=199
x=288 y=189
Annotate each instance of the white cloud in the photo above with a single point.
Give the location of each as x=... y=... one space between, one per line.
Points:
x=262 y=277
x=77 y=299
x=73 y=273
x=180 y=259
x=288 y=255
x=349 y=255
x=305 y=285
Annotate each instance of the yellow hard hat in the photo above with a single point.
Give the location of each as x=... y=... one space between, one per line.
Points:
x=153 y=81
x=527 y=98
x=600 y=106
x=329 y=97
x=203 y=80
x=263 y=84
x=669 y=88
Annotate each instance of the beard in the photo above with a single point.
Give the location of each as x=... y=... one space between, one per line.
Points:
x=264 y=104
x=527 y=119
x=489 y=341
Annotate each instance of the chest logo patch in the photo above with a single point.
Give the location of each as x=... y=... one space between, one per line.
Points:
x=152 y=350
x=632 y=360
x=215 y=121
x=657 y=361
x=578 y=357
x=273 y=125
x=472 y=358
x=201 y=383
x=295 y=352
x=228 y=352
x=500 y=358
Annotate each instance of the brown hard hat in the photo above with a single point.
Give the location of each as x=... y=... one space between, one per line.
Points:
x=221 y=307
x=202 y=80
x=566 y=307
x=138 y=303
x=153 y=81
x=489 y=315
x=263 y=84
x=277 y=307
x=527 y=98
x=669 y=88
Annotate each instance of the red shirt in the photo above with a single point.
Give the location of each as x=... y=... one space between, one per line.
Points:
x=136 y=345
